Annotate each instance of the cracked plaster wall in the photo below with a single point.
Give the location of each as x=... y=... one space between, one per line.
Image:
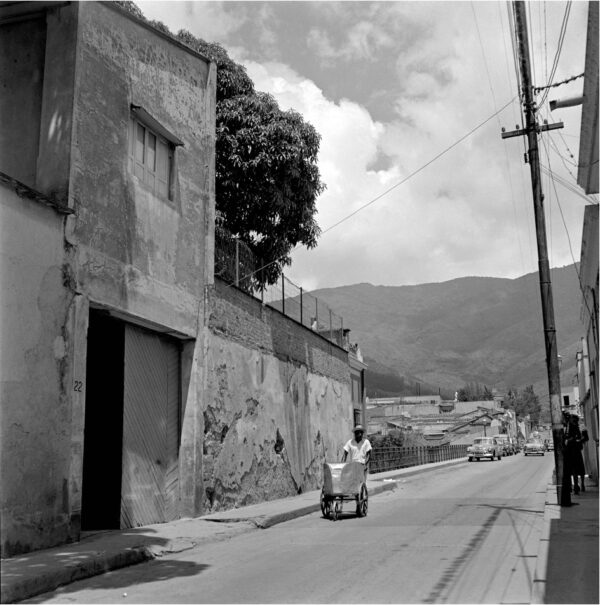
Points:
x=277 y=403
x=34 y=382
x=123 y=249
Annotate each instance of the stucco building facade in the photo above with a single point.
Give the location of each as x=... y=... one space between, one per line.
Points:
x=107 y=157
x=134 y=388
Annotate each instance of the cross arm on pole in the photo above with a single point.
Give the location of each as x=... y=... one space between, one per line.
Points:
x=522 y=131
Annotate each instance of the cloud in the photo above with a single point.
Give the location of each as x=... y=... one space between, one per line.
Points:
x=207 y=20
x=389 y=86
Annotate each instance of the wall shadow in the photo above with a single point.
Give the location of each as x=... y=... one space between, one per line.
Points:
x=572 y=564
x=129 y=577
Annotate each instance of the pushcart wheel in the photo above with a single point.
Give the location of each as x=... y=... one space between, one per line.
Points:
x=325 y=504
x=362 y=501
x=337 y=509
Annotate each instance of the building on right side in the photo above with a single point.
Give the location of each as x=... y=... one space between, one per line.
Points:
x=587 y=178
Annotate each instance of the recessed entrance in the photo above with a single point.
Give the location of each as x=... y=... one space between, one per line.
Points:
x=132 y=426
x=103 y=433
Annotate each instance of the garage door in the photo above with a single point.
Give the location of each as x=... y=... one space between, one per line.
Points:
x=151 y=421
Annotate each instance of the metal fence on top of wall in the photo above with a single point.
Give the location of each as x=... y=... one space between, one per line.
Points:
x=236 y=264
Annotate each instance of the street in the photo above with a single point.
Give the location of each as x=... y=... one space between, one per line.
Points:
x=466 y=534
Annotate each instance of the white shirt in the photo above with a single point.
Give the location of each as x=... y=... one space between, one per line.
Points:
x=358 y=451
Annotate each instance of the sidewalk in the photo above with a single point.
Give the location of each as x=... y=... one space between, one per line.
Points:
x=567 y=562
x=45 y=570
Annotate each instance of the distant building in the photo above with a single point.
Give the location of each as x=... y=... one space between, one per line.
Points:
x=357 y=377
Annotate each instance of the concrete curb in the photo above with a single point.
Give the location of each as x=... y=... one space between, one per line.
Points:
x=45 y=582
x=103 y=561
x=551 y=511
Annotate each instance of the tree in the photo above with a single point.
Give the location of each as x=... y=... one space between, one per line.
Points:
x=473 y=391
x=267 y=179
x=525 y=403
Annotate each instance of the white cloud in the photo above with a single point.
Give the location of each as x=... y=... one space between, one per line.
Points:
x=206 y=20
x=470 y=211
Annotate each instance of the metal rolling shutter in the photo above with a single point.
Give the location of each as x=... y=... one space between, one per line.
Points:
x=150 y=479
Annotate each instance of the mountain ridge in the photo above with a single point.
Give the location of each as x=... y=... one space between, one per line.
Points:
x=468 y=329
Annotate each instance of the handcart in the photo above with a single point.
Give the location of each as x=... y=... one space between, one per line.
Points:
x=344 y=481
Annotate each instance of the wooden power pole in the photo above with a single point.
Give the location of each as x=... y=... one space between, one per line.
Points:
x=563 y=484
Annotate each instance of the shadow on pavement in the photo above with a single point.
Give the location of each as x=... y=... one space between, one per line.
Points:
x=572 y=566
x=96 y=553
x=128 y=577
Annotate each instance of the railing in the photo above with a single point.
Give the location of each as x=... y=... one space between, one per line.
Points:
x=291 y=300
x=388 y=458
x=237 y=265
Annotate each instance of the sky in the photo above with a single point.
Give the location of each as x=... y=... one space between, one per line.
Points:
x=421 y=187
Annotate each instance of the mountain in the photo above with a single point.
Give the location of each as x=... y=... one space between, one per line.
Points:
x=473 y=329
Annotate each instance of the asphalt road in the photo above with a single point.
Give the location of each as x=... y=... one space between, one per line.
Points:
x=465 y=534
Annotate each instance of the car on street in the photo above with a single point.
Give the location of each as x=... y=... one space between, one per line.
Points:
x=534 y=447
x=508 y=447
x=484 y=447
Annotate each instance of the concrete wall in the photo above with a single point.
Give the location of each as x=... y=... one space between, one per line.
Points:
x=144 y=259
x=277 y=403
x=136 y=252
x=22 y=58
x=36 y=410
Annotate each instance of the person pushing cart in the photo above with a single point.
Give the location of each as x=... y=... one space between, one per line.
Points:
x=347 y=480
x=358 y=448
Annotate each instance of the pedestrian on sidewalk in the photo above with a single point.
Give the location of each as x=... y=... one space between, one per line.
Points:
x=358 y=448
x=573 y=446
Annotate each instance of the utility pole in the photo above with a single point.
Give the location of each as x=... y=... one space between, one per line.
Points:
x=563 y=487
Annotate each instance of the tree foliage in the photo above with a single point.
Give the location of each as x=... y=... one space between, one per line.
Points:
x=267 y=178
x=473 y=391
x=525 y=403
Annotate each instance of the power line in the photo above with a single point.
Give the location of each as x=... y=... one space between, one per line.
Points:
x=507 y=162
x=581 y=288
x=561 y=39
x=436 y=157
x=384 y=193
x=513 y=41
x=568 y=186
x=571 y=79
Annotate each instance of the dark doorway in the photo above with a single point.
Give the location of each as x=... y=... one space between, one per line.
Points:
x=103 y=432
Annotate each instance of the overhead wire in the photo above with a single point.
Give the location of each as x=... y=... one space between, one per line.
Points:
x=514 y=45
x=561 y=39
x=581 y=287
x=564 y=160
x=573 y=189
x=507 y=163
x=389 y=189
x=532 y=45
x=513 y=40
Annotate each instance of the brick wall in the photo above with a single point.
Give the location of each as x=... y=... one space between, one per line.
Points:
x=245 y=319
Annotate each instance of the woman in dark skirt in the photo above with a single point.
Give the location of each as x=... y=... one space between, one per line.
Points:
x=573 y=446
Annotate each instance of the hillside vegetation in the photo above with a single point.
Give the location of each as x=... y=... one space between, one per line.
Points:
x=474 y=329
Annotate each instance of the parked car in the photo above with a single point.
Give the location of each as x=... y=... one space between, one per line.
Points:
x=485 y=447
x=508 y=448
x=534 y=447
